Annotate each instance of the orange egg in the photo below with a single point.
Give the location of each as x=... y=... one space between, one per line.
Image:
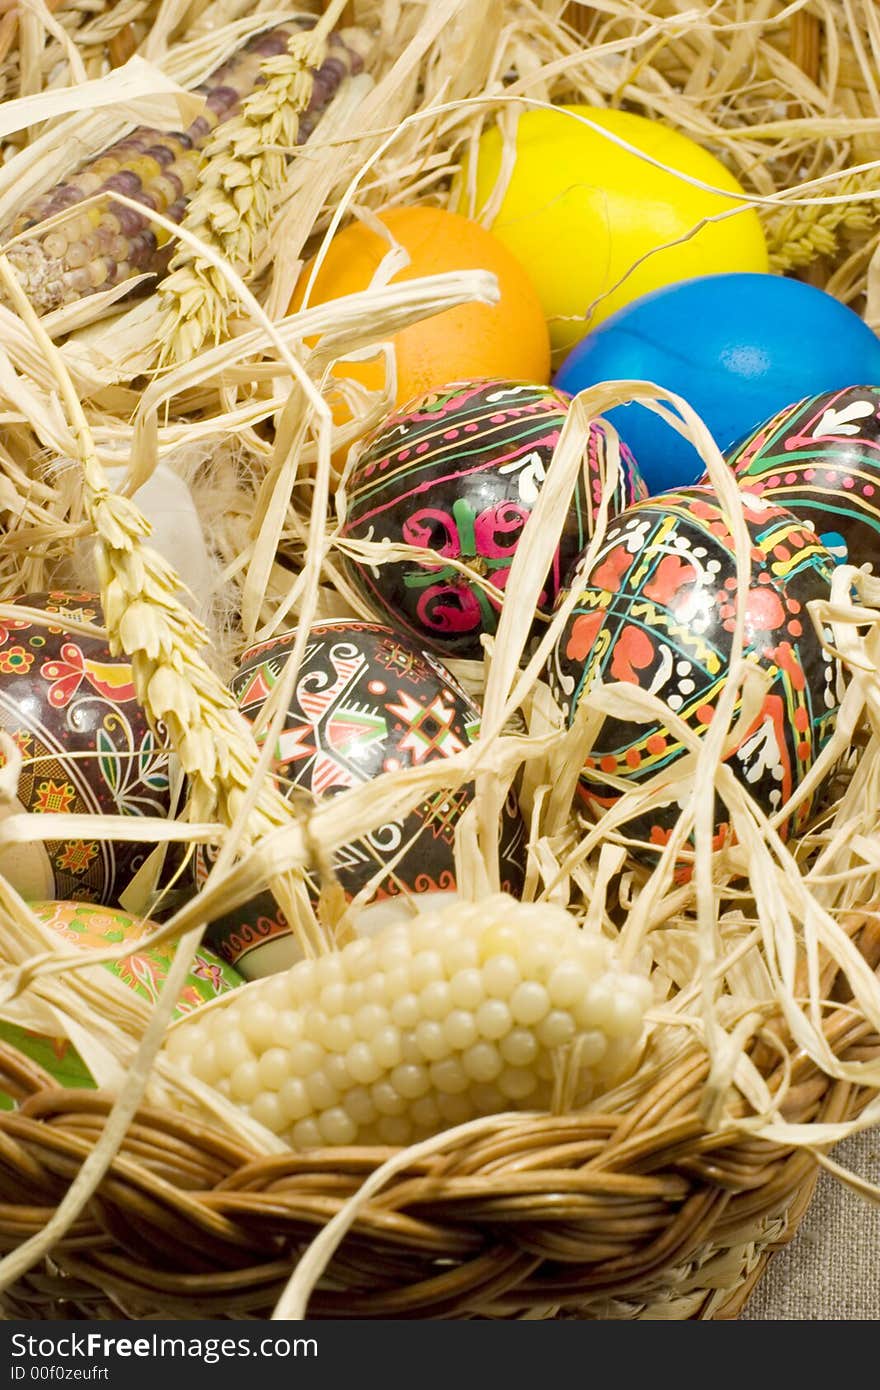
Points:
x=509 y=339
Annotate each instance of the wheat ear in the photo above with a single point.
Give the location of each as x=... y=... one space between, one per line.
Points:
x=800 y=235
x=243 y=171
x=145 y=619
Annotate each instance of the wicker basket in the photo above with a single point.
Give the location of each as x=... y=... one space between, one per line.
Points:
x=649 y=1211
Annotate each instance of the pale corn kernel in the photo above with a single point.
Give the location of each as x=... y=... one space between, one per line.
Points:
x=427 y=966
x=596 y=1010
x=396 y=984
x=374 y=989
x=529 y=1002
x=449 y=1076
x=591 y=1048
x=245 y=1082
x=180 y=1045
x=275 y=991
x=321 y=1093
x=466 y=988
x=305 y=1056
x=388 y=1098
x=274 y=1068
x=539 y=959
x=477 y=1012
x=460 y=1029
x=306 y=1135
x=431 y=1040
x=435 y=999
x=294 y=1099
x=497 y=940
x=393 y=951
x=336 y=1071
x=625 y=1019
x=501 y=976
x=593 y=953
x=567 y=984
x=386 y=1046
x=460 y=953
x=556 y=1029
x=267 y=1110
x=339 y=1034
x=332 y=998
x=328 y=970
x=410 y=1052
x=355 y=996
x=517 y=1082
x=368 y=1020
x=314 y=1025
x=410 y=1080
x=337 y=1127
x=359 y=1105
x=519 y=1047
x=493 y=1018
x=405 y=1012
x=362 y=1064
x=205 y=1065
x=482 y=1062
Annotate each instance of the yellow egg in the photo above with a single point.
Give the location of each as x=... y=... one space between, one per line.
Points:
x=579 y=212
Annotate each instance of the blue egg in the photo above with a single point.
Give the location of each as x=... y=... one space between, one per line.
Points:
x=738 y=348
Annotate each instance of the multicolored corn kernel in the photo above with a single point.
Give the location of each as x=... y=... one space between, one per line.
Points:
x=108 y=243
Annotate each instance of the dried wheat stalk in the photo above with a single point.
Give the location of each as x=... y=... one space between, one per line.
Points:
x=145 y=619
x=243 y=172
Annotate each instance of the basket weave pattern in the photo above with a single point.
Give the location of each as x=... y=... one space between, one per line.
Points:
x=641 y=1215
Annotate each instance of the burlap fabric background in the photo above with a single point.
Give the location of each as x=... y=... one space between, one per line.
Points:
x=832 y=1267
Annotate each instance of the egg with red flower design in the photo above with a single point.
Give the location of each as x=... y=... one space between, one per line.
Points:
x=71 y=709
x=657 y=609
x=458 y=471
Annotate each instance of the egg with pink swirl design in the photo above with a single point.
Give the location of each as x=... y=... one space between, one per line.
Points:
x=458 y=472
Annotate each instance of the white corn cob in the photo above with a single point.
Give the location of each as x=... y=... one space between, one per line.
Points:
x=465 y=1013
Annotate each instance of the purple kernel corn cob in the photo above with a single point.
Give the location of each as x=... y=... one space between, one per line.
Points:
x=108 y=243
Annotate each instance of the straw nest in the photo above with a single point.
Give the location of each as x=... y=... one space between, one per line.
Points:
x=764 y=1042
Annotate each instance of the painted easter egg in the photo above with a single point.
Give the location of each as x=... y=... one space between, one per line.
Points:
x=366 y=701
x=506 y=339
x=657 y=610
x=597 y=225
x=96 y=928
x=820 y=458
x=459 y=471
x=72 y=709
x=738 y=348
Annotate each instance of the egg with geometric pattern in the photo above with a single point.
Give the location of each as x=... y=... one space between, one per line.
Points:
x=72 y=710
x=820 y=458
x=657 y=609
x=458 y=471
x=366 y=701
